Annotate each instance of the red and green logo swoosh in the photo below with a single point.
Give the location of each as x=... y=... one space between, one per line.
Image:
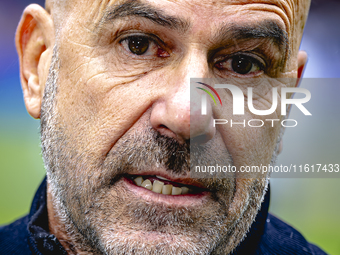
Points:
x=209 y=93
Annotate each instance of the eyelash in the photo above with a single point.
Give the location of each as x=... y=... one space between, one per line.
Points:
x=255 y=62
x=153 y=45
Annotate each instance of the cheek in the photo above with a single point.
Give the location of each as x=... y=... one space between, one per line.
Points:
x=98 y=107
x=250 y=139
x=250 y=146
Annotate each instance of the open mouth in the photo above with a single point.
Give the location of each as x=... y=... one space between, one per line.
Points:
x=161 y=185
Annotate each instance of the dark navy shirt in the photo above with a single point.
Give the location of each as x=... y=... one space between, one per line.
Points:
x=268 y=235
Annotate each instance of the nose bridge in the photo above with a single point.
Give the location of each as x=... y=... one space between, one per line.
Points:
x=173 y=116
x=193 y=66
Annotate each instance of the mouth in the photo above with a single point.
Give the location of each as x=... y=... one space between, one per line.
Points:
x=161 y=185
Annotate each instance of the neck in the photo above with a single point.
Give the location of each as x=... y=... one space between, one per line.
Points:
x=62 y=228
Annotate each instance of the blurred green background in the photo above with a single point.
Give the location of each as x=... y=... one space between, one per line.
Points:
x=310 y=205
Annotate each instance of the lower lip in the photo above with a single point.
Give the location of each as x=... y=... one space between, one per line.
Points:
x=175 y=200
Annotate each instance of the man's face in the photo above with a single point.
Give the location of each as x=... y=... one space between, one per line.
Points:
x=117 y=106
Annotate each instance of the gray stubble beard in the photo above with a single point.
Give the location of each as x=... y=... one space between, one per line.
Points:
x=86 y=226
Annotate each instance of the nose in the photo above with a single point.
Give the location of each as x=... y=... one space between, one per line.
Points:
x=178 y=113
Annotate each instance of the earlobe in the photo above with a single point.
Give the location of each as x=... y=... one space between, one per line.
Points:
x=31 y=96
x=34 y=43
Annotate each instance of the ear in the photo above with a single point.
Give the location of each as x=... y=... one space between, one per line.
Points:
x=34 y=42
x=302 y=62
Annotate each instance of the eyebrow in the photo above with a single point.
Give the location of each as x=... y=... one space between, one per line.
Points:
x=144 y=10
x=267 y=29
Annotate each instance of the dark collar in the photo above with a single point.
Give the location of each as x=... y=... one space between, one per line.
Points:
x=42 y=242
x=251 y=243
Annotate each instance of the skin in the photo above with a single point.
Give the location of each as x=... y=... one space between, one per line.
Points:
x=106 y=112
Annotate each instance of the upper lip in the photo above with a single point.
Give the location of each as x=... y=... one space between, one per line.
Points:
x=181 y=180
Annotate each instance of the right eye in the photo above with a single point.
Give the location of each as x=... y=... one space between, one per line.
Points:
x=241 y=64
x=143 y=45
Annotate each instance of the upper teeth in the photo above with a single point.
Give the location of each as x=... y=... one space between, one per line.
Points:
x=146 y=184
x=159 y=187
x=162 y=178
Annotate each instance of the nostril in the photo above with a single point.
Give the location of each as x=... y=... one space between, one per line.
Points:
x=163 y=126
x=165 y=131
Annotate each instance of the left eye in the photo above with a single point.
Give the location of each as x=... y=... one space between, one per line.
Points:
x=142 y=45
x=241 y=64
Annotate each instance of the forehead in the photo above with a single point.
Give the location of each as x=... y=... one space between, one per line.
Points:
x=199 y=9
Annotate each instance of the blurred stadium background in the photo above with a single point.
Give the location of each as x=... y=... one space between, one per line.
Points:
x=312 y=205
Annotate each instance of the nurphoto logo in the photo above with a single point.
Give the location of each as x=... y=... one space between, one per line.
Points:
x=239 y=104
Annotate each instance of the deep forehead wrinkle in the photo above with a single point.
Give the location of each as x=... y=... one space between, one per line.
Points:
x=139 y=9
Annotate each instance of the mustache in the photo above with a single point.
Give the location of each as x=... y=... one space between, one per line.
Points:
x=152 y=148
x=149 y=149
